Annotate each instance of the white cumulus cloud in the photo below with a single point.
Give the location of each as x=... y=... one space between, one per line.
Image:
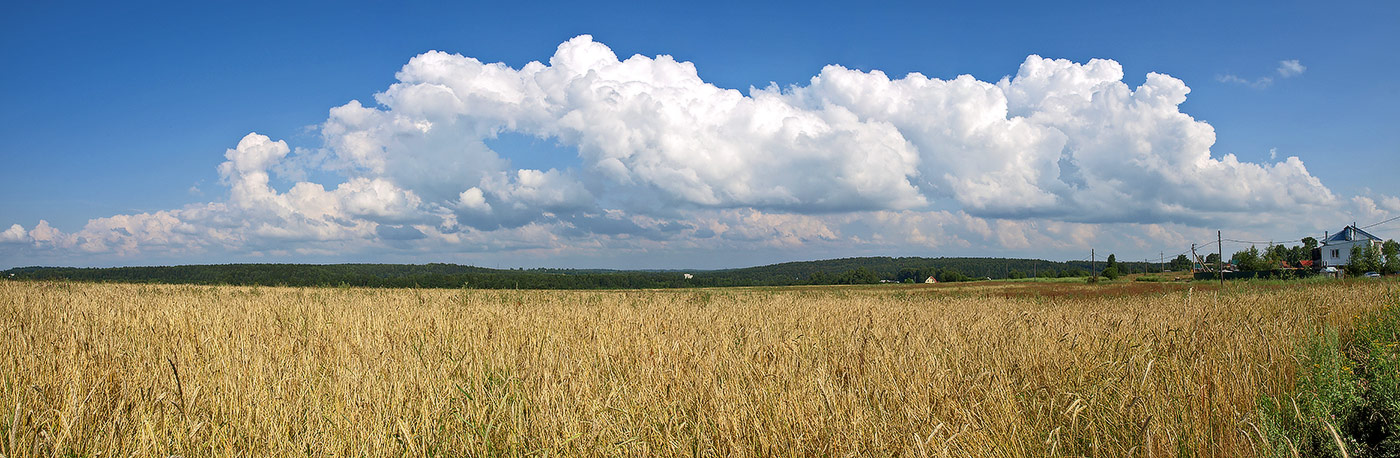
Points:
x=666 y=159
x=15 y=234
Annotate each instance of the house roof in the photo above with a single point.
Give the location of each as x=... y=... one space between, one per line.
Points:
x=1350 y=234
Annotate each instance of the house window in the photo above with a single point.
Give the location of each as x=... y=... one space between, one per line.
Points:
x=1337 y=253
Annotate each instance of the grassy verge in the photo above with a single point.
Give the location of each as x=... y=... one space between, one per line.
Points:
x=1346 y=402
x=1041 y=280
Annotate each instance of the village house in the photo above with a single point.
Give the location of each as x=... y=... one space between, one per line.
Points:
x=1336 y=248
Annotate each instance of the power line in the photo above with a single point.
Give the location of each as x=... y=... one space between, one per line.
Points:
x=1380 y=223
x=1279 y=241
x=1259 y=242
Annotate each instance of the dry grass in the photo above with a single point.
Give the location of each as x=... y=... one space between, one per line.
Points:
x=89 y=369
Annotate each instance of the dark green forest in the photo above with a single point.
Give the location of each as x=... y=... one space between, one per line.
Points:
x=824 y=272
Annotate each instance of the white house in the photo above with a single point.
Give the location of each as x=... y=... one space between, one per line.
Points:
x=1336 y=249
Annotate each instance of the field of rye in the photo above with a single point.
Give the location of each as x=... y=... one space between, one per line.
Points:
x=1004 y=370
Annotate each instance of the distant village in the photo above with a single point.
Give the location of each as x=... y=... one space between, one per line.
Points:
x=1349 y=252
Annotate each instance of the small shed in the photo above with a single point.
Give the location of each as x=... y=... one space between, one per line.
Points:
x=930 y=280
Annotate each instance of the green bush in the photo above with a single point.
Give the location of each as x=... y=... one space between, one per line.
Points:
x=1350 y=384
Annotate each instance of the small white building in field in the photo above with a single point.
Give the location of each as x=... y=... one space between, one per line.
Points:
x=1336 y=248
x=930 y=280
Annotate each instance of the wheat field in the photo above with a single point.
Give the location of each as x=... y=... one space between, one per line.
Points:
x=161 y=370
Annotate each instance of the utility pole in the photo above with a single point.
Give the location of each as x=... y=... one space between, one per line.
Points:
x=1162 y=261
x=1091 y=264
x=1220 y=257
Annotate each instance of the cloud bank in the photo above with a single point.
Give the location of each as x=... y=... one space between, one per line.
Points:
x=666 y=161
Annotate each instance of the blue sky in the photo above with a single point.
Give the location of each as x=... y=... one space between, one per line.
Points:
x=130 y=110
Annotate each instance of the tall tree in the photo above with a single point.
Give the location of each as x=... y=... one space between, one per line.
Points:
x=1275 y=255
x=1249 y=260
x=1391 y=251
x=1309 y=243
x=1180 y=263
x=1367 y=259
x=1373 y=261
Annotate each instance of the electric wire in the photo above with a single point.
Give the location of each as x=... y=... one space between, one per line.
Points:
x=1282 y=241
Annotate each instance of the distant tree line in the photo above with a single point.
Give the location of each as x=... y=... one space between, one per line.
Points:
x=1275 y=256
x=437 y=275
x=367 y=275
